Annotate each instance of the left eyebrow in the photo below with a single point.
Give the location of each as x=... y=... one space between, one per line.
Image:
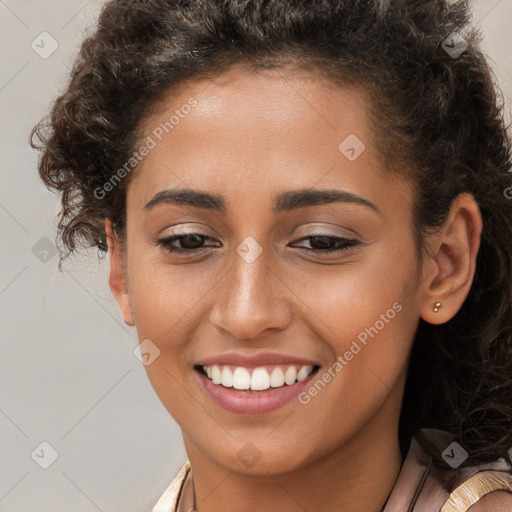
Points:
x=294 y=199
x=285 y=201
x=190 y=197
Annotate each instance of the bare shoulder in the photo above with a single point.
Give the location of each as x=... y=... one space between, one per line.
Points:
x=497 y=501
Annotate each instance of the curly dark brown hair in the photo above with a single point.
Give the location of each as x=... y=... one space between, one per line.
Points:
x=438 y=118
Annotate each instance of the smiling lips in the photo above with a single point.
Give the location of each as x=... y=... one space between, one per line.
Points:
x=259 y=378
x=256 y=372
x=254 y=390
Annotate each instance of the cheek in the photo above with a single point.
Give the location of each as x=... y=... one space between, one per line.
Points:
x=371 y=323
x=353 y=295
x=170 y=303
x=164 y=297
x=370 y=333
x=367 y=312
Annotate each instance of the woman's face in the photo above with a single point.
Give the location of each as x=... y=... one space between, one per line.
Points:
x=267 y=146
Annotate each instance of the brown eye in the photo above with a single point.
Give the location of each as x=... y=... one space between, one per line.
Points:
x=329 y=244
x=191 y=243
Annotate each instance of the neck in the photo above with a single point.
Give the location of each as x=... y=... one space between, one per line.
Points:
x=357 y=476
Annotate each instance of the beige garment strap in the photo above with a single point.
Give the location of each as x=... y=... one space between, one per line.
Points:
x=476 y=487
x=169 y=499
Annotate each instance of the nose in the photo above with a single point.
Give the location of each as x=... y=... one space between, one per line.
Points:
x=252 y=298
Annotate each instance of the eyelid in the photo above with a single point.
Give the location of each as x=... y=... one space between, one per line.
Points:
x=322 y=230
x=296 y=237
x=345 y=245
x=181 y=230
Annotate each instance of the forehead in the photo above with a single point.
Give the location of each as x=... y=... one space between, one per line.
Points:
x=266 y=130
x=304 y=102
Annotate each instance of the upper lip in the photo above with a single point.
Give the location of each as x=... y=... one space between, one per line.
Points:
x=254 y=360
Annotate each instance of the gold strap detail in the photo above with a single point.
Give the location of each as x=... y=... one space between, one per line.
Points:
x=476 y=487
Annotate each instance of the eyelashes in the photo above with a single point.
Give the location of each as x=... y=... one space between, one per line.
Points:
x=166 y=243
x=341 y=243
x=325 y=243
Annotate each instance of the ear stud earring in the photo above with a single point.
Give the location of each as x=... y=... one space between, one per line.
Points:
x=437 y=305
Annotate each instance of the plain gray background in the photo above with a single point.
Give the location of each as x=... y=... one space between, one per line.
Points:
x=68 y=374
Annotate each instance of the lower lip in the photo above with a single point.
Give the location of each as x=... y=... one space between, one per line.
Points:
x=250 y=402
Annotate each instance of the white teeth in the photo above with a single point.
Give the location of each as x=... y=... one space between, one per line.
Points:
x=304 y=372
x=226 y=378
x=260 y=379
x=290 y=375
x=241 y=378
x=216 y=374
x=277 y=378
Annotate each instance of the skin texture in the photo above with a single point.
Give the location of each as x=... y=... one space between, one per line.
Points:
x=497 y=501
x=251 y=136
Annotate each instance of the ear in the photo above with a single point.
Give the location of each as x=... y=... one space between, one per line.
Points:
x=451 y=264
x=117 y=279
